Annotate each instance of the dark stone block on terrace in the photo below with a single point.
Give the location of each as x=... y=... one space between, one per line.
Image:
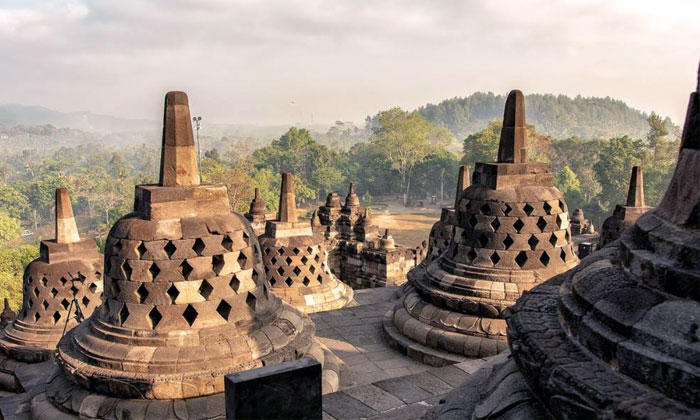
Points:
x=290 y=390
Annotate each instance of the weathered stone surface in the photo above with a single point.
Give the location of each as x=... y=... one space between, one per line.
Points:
x=185 y=303
x=625 y=216
x=290 y=390
x=617 y=336
x=68 y=267
x=510 y=232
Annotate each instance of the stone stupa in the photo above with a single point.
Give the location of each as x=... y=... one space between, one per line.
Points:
x=617 y=337
x=624 y=216
x=441 y=232
x=185 y=303
x=296 y=260
x=511 y=233
x=67 y=267
x=257 y=214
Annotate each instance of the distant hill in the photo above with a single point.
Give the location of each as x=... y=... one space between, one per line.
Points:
x=559 y=116
x=12 y=115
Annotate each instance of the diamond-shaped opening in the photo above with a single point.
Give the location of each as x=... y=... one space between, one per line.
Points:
x=242 y=261
x=521 y=259
x=297 y=271
x=36 y=317
x=508 y=241
x=280 y=251
x=45 y=304
x=495 y=224
x=317 y=258
x=553 y=239
x=560 y=221
x=44 y=281
x=471 y=255
x=30 y=301
x=547 y=208
x=205 y=289
x=562 y=205
x=312 y=269
x=154 y=270
x=533 y=241
x=506 y=209
x=306 y=281
x=198 y=246
x=562 y=255
x=154 y=317
x=473 y=221
x=141 y=250
x=74 y=290
x=234 y=283
x=65 y=303
x=296 y=251
x=273 y=260
x=85 y=301
x=310 y=250
x=518 y=225
x=251 y=300
x=288 y=260
x=544 y=259
x=273 y=282
x=56 y=317
x=127 y=270
x=568 y=236
x=92 y=287
x=280 y=271
x=255 y=276
x=495 y=258
x=289 y=281
x=485 y=209
x=172 y=293
x=64 y=281
x=224 y=309
x=227 y=243
x=541 y=223
x=190 y=314
x=267 y=251
x=528 y=209
x=142 y=293
x=319 y=278
x=36 y=291
x=217 y=263
x=170 y=249
x=185 y=268
x=304 y=260
x=246 y=237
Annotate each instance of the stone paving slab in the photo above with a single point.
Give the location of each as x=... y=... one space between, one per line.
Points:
x=388 y=384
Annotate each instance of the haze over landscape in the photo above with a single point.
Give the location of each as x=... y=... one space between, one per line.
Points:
x=284 y=62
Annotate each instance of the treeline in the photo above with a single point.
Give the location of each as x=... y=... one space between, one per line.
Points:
x=558 y=116
x=406 y=155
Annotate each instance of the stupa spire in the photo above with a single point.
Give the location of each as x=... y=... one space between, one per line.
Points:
x=352 y=200
x=635 y=196
x=462 y=182
x=513 y=145
x=66 y=229
x=691 y=129
x=178 y=161
x=287 y=207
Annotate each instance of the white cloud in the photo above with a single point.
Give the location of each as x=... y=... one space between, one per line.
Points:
x=245 y=61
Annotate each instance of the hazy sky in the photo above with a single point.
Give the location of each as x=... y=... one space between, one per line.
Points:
x=283 y=61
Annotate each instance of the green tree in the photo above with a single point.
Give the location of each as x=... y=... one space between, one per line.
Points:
x=10 y=228
x=13 y=202
x=406 y=139
x=613 y=169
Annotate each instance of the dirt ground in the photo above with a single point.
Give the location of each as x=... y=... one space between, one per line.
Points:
x=408 y=229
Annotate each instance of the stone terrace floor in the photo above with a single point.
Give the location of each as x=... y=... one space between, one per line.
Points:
x=388 y=385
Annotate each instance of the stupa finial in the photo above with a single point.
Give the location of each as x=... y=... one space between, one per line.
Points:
x=513 y=145
x=178 y=162
x=635 y=196
x=462 y=182
x=287 y=207
x=66 y=229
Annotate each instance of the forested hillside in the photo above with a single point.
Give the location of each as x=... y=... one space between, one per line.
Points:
x=558 y=116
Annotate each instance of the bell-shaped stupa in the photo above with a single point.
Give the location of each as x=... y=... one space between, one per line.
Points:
x=511 y=233
x=625 y=215
x=296 y=260
x=616 y=337
x=441 y=232
x=62 y=285
x=186 y=303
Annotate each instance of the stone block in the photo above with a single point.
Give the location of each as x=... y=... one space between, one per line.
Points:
x=290 y=390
